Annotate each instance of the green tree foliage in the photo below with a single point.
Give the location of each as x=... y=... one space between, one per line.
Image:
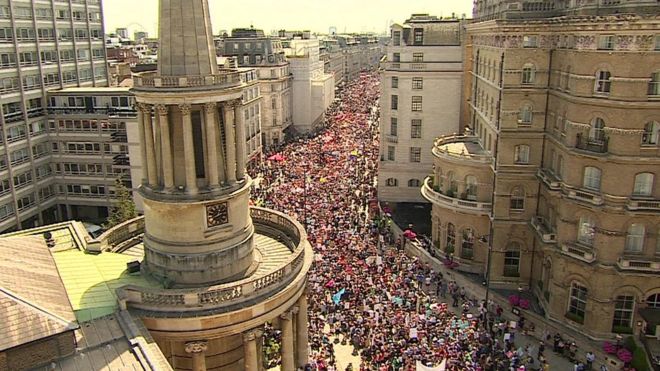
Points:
x=124 y=209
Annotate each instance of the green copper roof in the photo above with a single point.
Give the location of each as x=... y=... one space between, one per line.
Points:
x=91 y=280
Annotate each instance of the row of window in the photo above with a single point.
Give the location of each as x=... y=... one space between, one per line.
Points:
x=415 y=154
x=417 y=83
x=32 y=58
x=416 y=57
x=415 y=128
x=24 y=12
x=635 y=235
x=415 y=104
x=7 y=34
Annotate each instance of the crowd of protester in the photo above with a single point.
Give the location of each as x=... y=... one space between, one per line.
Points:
x=364 y=291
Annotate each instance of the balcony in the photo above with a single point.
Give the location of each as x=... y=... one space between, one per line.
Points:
x=405 y=66
x=638 y=264
x=578 y=251
x=471 y=207
x=151 y=81
x=542 y=228
x=590 y=145
x=549 y=178
x=584 y=195
x=461 y=147
x=643 y=205
x=391 y=138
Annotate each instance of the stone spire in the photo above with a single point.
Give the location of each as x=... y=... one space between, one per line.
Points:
x=186 y=39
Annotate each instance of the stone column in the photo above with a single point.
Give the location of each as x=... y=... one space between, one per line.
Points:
x=302 y=337
x=143 y=145
x=158 y=147
x=250 y=349
x=287 y=342
x=188 y=149
x=211 y=144
x=197 y=349
x=230 y=144
x=241 y=156
x=152 y=177
x=166 y=146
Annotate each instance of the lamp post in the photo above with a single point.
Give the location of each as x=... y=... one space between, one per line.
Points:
x=488 y=239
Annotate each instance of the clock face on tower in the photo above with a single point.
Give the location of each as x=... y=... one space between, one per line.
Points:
x=217 y=214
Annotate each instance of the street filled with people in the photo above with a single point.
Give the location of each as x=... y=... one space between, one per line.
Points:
x=394 y=311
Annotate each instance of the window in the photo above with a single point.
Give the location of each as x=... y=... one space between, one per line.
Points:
x=512 y=261
x=635 y=238
x=577 y=301
x=528 y=74
x=517 y=201
x=653 y=301
x=391 y=182
x=467 y=247
x=471 y=187
x=606 y=42
x=651 y=133
x=586 y=231
x=415 y=154
x=396 y=38
x=416 y=103
x=394 y=123
x=623 y=312
x=418 y=57
x=530 y=41
x=414 y=183
x=418 y=36
x=395 y=82
x=451 y=236
x=396 y=57
x=597 y=131
x=415 y=128
x=525 y=115
x=654 y=84
x=591 y=178
x=453 y=184
x=417 y=83
x=643 y=185
x=390 y=153
x=521 y=154
x=394 y=104
x=603 y=83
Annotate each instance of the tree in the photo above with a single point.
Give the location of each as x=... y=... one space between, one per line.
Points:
x=124 y=209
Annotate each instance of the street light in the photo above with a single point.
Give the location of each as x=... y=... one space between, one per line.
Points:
x=487 y=239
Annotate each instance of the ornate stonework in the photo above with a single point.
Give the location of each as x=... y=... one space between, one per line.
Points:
x=217 y=214
x=196 y=347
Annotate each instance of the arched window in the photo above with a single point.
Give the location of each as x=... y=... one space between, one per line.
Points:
x=414 y=183
x=654 y=84
x=512 y=260
x=467 y=247
x=591 y=178
x=653 y=301
x=471 y=187
x=521 y=154
x=525 y=115
x=586 y=231
x=452 y=183
x=528 y=73
x=651 y=133
x=597 y=131
x=577 y=302
x=624 y=306
x=517 y=199
x=603 y=82
x=392 y=182
x=451 y=237
x=635 y=238
x=643 y=185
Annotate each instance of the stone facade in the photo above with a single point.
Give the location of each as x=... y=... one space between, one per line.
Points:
x=564 y=123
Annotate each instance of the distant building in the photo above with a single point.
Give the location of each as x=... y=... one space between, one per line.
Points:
x=421 y=82
x=139 y=36
x=122 y=33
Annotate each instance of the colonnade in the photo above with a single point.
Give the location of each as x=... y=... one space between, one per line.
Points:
x=294 y=348
x=224 y=148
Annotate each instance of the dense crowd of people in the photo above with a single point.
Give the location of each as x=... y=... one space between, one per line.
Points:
x=363 y=290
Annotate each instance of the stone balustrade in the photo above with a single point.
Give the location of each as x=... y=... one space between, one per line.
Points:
x=225 y=297
x=151 y=80
x=441 y=150
x=481 y=208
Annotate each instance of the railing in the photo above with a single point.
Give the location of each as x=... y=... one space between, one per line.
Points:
x=541 y=227
x=596 y=146
x=440 y=151
x=465 y=205
x=585 y=196
x=578 y=251
x=644 y=205
x=150 y=80
x=411 y=66
x=391 y=138
x=227 y=296
x=638 y=264
x=549 y=179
